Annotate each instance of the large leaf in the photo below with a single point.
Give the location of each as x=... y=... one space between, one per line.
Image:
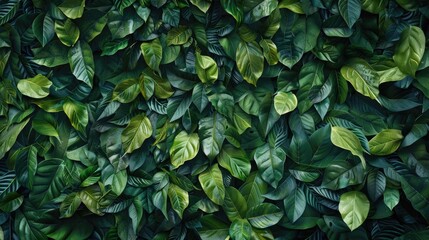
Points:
x=285 y=102
x=385 y=142
x=43 y=28
x=362 y=76
x=264 y=215
x=206 y=68
x=213 y=228
x=82 y=62
x=67 y=32
x=346 y=139
x=185 y=147
x=77 y=114
x=72 y=8
x=8 y=10
x=270 y=161
x=36 y=87
x=212 y=183
x=126 y=91
x=240 y=229
x=235 y=160
x=409 y=51
x=138 y=130
x=295 y=204
x=212 y=132
x=234 y=204
x=178 y=36
x=251 y=64
x=49 y=181
x=8 y=136
x=152 y=53
x=179 y=199
x=350 y=11
x=354 y=208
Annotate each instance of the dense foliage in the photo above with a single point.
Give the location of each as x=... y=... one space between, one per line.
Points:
x=188 y=119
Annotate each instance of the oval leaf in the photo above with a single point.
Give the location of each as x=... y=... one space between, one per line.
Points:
x=410 y=50
x=185 y=147
x=285 y=102
x=36 y=87
x=264 y=215
x=138 y=130
x=212 y=183
x=251 y=61
x=354 y=208
x=385 y=142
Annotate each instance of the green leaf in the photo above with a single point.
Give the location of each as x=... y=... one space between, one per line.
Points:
x=8 y=10
x=234 y=9
x=162 y=87
x=77 y=114
x=410 y=50
x=270 y=162
x=26 y=165
x=376 y=184
x=43 y=28
x=362 y=76
x=354 y=208
x=69 y=205
x=342 y=174
x=264 y=215
x=391 y=198
x=152 y=53
x=11 y=202
x=235 y=160
x=234 y=204
x=138 y=130
x=240 y=229
x=374 y=6
x=285 y=102
x=8 y=136
x=350 y=11
x=36 y=87
x=72 y=8
x=251 y=64
x=111 y=47
x=253 y=189
x=178 y=36
x=212 y=183
x=52 y=55
x=126 y=91
x=346 y=139
x=121 y=25
x=212 y=133
x=185 y=147
x=179 y=199
x=416 y=191
x=206 y=68
x=263 y=9
x=82 y=62
x=49 y=181
x=203 y=5
x=385 y=142
x=213 y=228
x=269 y=49
x=67 y=32
x=295 y=204
x=26 y=227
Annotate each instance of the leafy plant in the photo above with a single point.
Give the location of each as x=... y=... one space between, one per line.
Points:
x=203 y=119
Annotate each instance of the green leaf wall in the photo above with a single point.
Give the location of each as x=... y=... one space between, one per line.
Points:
x=207 y=119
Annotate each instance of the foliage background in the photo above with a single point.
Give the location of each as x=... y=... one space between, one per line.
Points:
x=256 y=119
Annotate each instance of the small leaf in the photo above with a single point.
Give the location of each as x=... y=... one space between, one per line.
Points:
x=72 y=8
x=185 y=147
x=269 y=49
x=43 y=28
x=178 y=36
x=67 y=32
x=234 y=204
x=270 y=162
x=295 y=204
x=391 y=198
x=354 y=208
x=235 y=160
x=82 y=62
x=285 y=102
x=138 y=130
x=126 y=91
x=346 y=139
x=69 y=205
x=410 y=50
x=212 y=132
x=36 y=87
x=212 y=183
x=362 y=76
x=350 y=11
x=179 y=199
x=385 y=142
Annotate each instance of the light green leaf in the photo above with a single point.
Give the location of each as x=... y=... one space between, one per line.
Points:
x=203 y=5
x=362 y=76
x=350 y=11
x=206 y=68
x=179 y=35
x=138 y=130
x=179 y=199
x=234 y=9
x=235 y=160
x=346 y=139
x=8 y=136
x=240 y=229
x=374 y=6
x=185 y=147
x=152 y=53
x=385 y=142
x=391 y=198
x=126 y=91
x=36 y=87
x=212 y=132
x=234 y=204
x=212 y=183
x=269 y=49
x=410 y=50
x=354 y=208
x=82 y=62
x=285 y=102
x=251 y=61
x=162 y=87
x=72 y=8
x=264 y=215
x=77 y=113
x=67 y=32
x=253 y=189
x=69 y=205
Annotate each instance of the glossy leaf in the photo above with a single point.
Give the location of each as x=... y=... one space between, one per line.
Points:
x=179 y=199
x=185 y=147
x=138 y=130
x=152 y=53
x=264 y=215
x=251 y=64
x=385 y=142
x=354 y=208
x=82 y=62
x=212 y=183
x=37 y=87
x=409 y=52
